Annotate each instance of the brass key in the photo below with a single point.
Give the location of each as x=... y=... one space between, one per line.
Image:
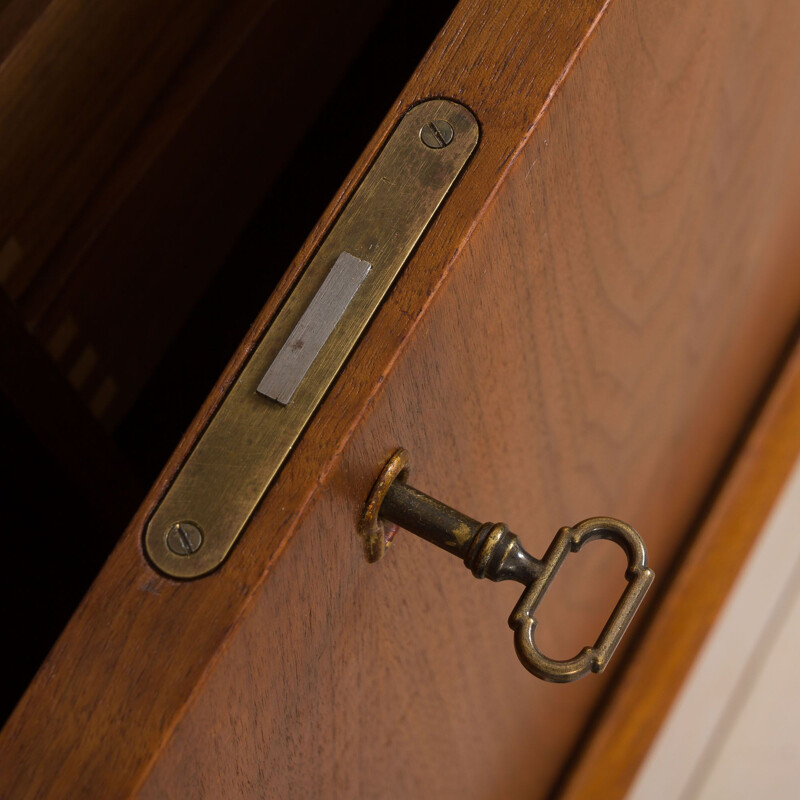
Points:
x=491 y=551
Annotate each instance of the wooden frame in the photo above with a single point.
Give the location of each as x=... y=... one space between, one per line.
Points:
x=584 y=329
x=633 y=712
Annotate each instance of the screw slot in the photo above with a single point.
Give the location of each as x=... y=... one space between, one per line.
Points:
x=436 y=134
x=184 y=538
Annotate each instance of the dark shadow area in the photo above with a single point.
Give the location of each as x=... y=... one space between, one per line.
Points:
x=292 y=206
x=54 y=544
x=53 y=547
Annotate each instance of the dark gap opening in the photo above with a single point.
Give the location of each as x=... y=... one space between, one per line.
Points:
x=292 y=206
x=54 y=545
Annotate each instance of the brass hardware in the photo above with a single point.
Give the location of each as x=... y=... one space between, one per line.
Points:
x=250 y=436
x=491 y=551
x=437 y=133
x=324 y=311
x=373 y=529
x=184 y=538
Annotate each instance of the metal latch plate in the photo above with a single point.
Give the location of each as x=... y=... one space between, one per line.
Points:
x=251 y=434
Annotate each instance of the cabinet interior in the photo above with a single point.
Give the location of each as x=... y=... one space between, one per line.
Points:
x=71 y=488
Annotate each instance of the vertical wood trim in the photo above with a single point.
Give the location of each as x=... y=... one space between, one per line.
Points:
x=633 y=714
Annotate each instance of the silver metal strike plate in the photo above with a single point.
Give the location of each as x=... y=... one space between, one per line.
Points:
x=315 y=326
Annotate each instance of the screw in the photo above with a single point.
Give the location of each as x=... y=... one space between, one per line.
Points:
x=436 y=134
x=184 y=538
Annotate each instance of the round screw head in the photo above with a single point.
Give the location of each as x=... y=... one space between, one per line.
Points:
x=437 y=133
x=184 y=538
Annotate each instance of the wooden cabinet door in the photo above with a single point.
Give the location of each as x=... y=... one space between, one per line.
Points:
x=584 y=329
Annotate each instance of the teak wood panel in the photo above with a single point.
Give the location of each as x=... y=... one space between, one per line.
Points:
x=71 y=123
x=583 y=330
x=137 y=140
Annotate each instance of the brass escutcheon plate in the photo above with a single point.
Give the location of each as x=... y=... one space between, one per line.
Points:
x=250 y=436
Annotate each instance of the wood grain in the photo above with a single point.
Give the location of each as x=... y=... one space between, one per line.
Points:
x=584 y=330
x=16 y=18
x=142 y=144
x=77 y=84
x=635 y=710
